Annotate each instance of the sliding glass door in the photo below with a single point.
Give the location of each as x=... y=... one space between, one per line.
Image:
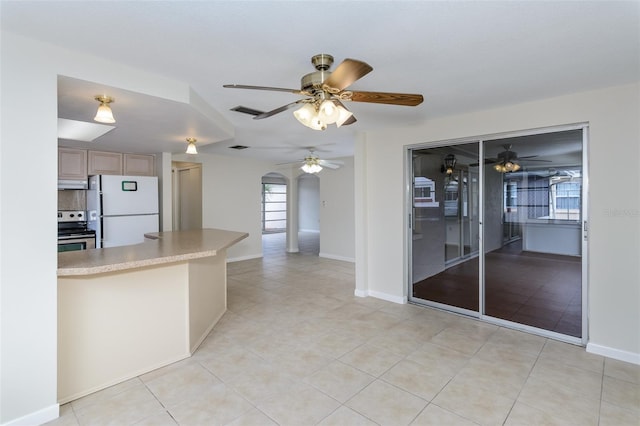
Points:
x=501 y=237
x=445 y=226
x=533 y=273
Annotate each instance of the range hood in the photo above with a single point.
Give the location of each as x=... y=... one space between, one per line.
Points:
x=73 y=184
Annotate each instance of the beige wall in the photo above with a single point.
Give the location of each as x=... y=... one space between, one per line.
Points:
x=614 y=202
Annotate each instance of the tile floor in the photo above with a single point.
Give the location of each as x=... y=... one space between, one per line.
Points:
x=297 y=348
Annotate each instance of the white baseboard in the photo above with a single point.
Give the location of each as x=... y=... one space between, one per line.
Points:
x=334 y=257
x=618 y=354
x=241 y=258
x=39 y=417
x=379 y=295
x=360 y=293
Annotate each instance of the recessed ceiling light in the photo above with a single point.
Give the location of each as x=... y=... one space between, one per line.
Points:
x=81 y=130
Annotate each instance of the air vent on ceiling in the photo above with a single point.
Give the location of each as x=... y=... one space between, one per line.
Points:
x=246 y=110
x=238 y=147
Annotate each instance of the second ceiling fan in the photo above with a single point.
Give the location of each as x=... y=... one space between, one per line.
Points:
x=325 y=92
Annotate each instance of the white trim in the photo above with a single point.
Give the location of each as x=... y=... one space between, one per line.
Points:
x=618 y=354
x=360 y=293
x=335 y=257
x=379 y=295
x=313 y=231
x=45 y=415
x=388 y=297
x=241 y=258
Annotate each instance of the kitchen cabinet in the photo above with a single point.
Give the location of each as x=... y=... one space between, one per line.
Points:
x=72 y=164
x=139 y=165
x=105 y=163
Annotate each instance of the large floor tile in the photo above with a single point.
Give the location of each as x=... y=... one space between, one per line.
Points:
x=474 y=403
x=219 y=405
x=613 y=415
x=128 y=407
x=621 y=393
x=386 y=404
x=371 y=359
x=559 y=401
x=182 y=384
x=622 y=370
x=344 y=416
x=416 y=379
x=299 y=407
x=340 y=381
x=434 y=415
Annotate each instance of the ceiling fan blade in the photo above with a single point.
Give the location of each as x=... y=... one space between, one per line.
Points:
x=531 y=159
x=278 y=110
x=273 y=89
x=486 y=161
x=350 y=120
x=346 y=73
x=331 y=163
x=406 y=99
x=247 y=110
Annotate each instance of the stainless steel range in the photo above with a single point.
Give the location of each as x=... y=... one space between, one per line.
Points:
x=73 y=233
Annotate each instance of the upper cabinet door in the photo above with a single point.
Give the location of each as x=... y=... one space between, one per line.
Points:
x=72 y=163
x=139 y=165
x=105 y=163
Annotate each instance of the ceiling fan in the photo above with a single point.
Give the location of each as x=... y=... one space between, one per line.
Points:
x=311 y=163
x=325 y=91
x=508 y=161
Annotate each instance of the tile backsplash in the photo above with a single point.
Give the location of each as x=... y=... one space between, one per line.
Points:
x=72 y=199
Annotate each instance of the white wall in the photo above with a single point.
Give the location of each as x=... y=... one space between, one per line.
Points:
x=337 y=212
x=614 y=246
x=28 y=254
x=309 y=203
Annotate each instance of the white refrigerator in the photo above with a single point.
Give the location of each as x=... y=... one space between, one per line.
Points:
x=121 y=209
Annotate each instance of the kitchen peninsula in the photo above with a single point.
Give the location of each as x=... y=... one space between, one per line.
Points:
x=124 y=311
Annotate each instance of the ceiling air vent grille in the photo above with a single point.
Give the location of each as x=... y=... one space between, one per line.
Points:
x=238 y=147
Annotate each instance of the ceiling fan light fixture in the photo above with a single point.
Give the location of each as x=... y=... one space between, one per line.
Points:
x=191 y=146
x=311 y=168
x=449 y=163
x=305 y=114
x=345 y=114
x=311 y=165
x=104 y=113
x=507 y=167
x=328 y=112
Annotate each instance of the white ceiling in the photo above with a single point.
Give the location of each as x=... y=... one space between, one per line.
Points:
x=462 y=56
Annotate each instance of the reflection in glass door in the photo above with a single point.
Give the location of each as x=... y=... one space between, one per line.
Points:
x=445 y=226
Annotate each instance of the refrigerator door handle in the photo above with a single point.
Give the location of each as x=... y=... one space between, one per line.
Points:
x=101 y=213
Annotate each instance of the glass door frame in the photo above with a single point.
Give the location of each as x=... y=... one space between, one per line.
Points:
x=408 y=212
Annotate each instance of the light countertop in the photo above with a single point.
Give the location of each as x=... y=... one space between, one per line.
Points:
x=159 y=248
